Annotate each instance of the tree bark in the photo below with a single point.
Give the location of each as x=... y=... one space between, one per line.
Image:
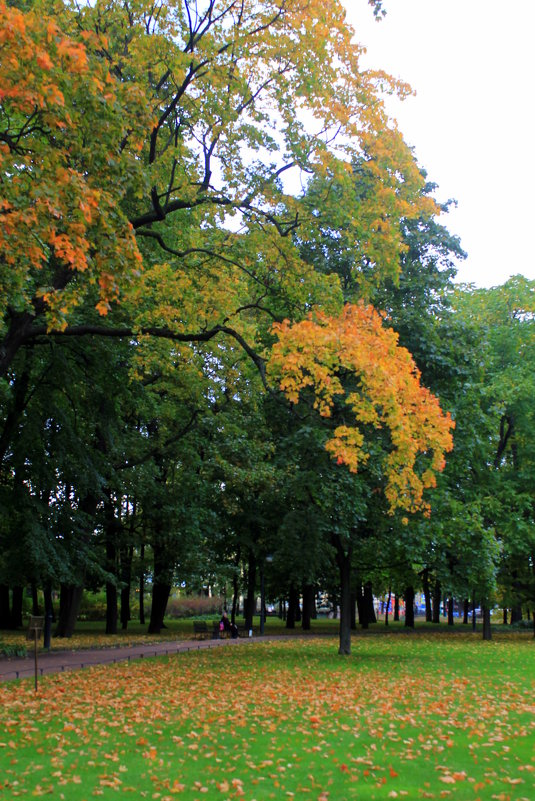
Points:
x=18 y=333
x=437 y=592
x=409 y=607
x=161 y=588
x=35 y=599
x=126 y=555
x=5 y=610
x=487 y=632
x=235 y=588
x=16 y=607
x=250 y=600
x=343 y=559
x=427 y=596
x=361 y=606
x=368 y=602
x=389 y=599
x=69 y=604
x=160 y=597
x=111 y=567
x=49 y=606
x=293 y=608
x=450 y=611
x=396 y=608
x=142 y=584
x=516 y=613
x=309 y=606
x=466 y=610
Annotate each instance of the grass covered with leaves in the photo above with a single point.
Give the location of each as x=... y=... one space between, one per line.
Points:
x=91 y=634
x=428 y=716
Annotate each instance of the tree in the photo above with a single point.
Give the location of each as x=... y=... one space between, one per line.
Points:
x=502 y=387
x=172 y=229
x=385 y=397
x=186 y=97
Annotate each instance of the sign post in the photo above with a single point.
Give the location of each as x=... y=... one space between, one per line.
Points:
x=35 y=628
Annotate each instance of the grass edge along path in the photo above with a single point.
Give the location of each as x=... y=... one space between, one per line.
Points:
x=427 y=717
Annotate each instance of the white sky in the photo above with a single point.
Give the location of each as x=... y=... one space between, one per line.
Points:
x=472 y=64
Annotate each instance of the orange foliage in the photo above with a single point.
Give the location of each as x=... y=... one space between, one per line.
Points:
x=385 y=393
x=59 y=207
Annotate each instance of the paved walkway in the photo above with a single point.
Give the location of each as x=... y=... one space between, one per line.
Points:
x=59 y=661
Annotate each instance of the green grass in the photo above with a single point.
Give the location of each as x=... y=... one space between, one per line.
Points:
x=90 y=634
x=428 y=716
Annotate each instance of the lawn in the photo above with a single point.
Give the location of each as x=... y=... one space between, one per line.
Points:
x=405 y=716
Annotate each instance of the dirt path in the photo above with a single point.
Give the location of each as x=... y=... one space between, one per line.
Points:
x=60 y=661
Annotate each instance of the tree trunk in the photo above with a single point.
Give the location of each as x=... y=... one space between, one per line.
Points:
x=298 y=615
x=111 y=608
x=466 y=610
x=250 y=600
x=142 y=584
x=450 y=611
x=344 y=566
x=516 y=613
x=427 y=596
x=235 y=597
x=368 y=603
x=16 y=607
x=49 y=606
x=35 y=599
x=235 y=588
x=293 y=608
x=127 y=555
x=388 y=601
x=309 y=606
x=437 y=592
x=396 y=608
x=473 y=612
x=409 y=607
x=112 y=538
x=361 y=606
x=161 y=588
x=69 y=604
x=5 y=610
x=353 y=605
x=160 y=597
x=505 y=616
x=18 y=333
x=487 y=633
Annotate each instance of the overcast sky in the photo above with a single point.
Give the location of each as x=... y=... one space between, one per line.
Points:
x=472 y=122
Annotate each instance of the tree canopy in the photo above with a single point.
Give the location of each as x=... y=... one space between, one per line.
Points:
x=215 y=243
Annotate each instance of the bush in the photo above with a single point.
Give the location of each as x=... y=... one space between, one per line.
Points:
x=194 y=606
x=522 y=624
x=93 y=606
x=12 y=650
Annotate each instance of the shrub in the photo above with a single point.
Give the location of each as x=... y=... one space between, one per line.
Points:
x=194 y=606
x=12 y=650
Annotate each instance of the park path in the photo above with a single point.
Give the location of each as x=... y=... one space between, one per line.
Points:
x=60 y=661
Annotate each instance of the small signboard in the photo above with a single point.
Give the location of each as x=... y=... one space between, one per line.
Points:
x=35 y=627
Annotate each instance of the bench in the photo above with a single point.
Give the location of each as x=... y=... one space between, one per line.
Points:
x=201 y=630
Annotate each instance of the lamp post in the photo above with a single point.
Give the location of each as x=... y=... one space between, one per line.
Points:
x=263 y=594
